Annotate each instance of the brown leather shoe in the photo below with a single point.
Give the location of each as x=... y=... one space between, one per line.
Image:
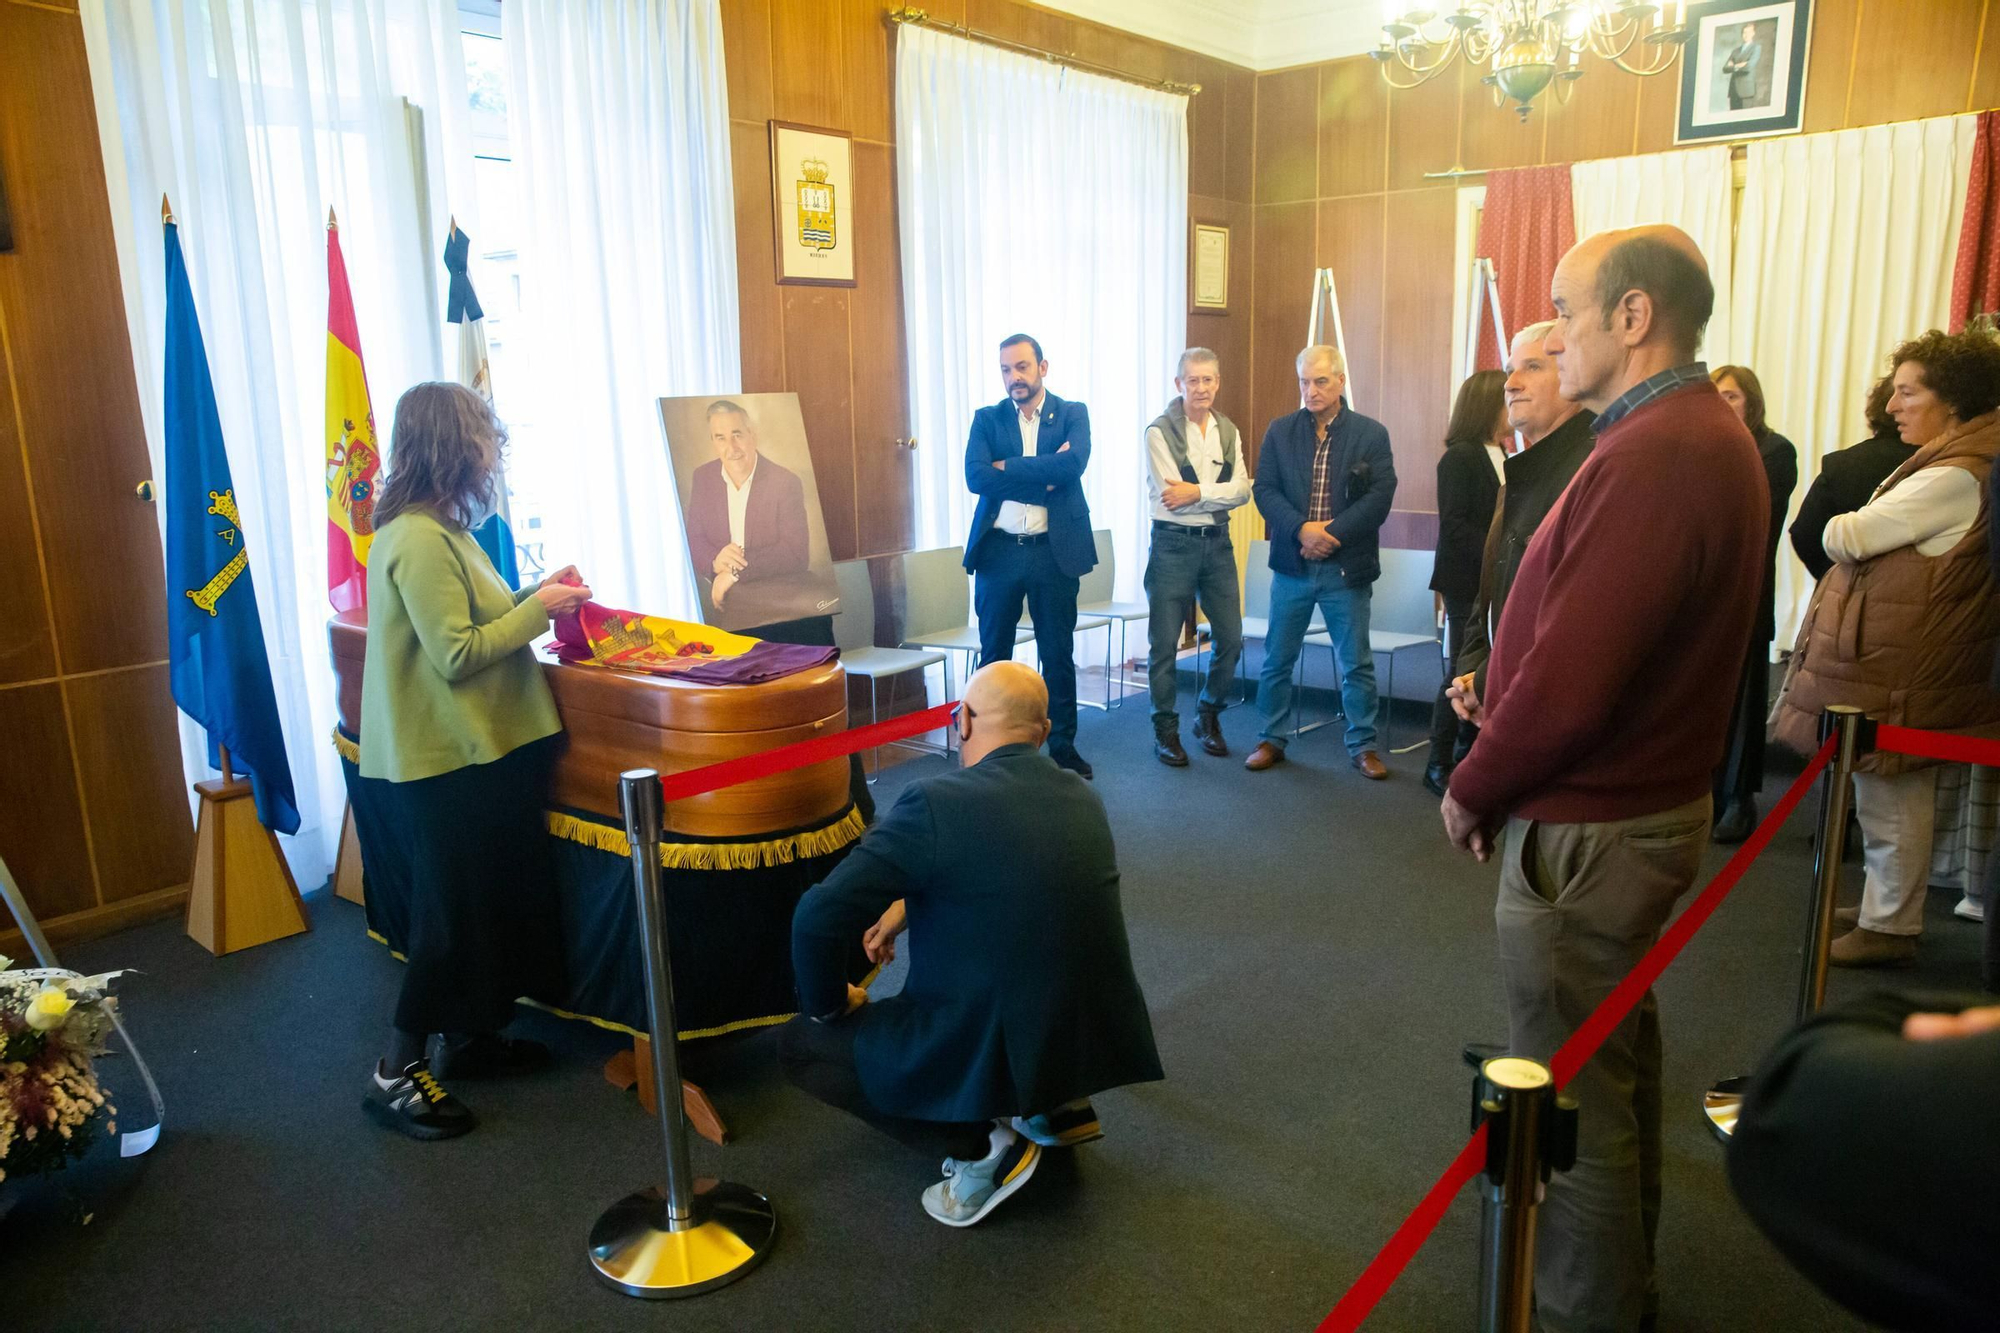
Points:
x=1846 y=918
x=1264 y=756
x=1371 y=765
x=1862 y=947
x=1208 y=730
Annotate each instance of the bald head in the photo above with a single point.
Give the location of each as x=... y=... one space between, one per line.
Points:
x=1005 y=703
x=1629 y=304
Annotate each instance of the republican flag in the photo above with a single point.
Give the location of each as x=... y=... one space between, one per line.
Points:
x=353 y=459
x=496 y=535
x=220 y=672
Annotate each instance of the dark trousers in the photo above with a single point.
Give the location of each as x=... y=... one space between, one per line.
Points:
x=1451 y=736
x=818 y=1059
x=1007 y=573
x=1186 y=565
x=1989 y=969
x=1742 y=773
x=485 y=926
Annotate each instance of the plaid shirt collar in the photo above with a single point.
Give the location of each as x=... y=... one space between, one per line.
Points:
x=1646 y=390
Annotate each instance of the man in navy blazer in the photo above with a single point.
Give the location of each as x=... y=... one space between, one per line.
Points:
x=746 y=519
x=1021 y=1001
x=1325 y=478
x=1031 y=537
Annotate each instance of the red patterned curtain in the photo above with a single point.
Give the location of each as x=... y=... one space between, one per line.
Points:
x=1975 y=281
x=1525 y=227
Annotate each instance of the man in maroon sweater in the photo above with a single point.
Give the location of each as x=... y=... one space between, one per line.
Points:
x=1608 y=696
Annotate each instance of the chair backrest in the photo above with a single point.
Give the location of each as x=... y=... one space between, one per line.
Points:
x=1402 y=603
x=854 y=625
x=1257 y=581
x=936 y=593
x=1097 y=585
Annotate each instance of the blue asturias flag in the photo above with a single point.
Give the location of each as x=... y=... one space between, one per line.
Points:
x=215 y=641
x=496 y=535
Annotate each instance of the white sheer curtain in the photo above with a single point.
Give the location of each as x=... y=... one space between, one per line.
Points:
x=1845 y=248
x=621 y=137
x=1036 y=199
x=255 y=116
x=1691 y=190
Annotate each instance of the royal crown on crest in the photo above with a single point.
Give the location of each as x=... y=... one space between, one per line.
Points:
x=814 y=170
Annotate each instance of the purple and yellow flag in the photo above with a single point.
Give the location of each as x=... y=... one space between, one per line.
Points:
x=353 y=459
x=627 y=641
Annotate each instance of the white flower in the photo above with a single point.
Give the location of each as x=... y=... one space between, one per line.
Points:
x=48 y=1009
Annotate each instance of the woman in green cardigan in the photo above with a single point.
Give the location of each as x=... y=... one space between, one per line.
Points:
x=459 y=727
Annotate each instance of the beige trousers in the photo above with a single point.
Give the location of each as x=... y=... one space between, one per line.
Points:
x=1897 y=815
x=1579 y=906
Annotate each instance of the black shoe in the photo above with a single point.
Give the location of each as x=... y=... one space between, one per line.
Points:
x=1437 y=778
x=1208 y=730
x=1167 y=749
x=485 y=1055
x=1739 y=820
x=1073 y=761
x=414 y=1103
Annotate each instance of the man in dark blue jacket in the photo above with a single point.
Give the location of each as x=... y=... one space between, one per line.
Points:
x=1031 y=537
x=1325 y=478
x=1020 y=1001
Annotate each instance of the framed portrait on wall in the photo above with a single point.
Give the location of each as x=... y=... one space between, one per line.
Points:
x=812 y=204
x=1743 y=70
x=1208 y=269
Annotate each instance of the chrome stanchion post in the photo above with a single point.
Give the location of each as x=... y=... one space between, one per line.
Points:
x=1723 y=1101
x=692 y=1235
x=1530 y=1132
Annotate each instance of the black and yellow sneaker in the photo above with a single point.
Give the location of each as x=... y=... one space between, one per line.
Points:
x=485 y=1055
x=415 y=1103
x=1068 y=1125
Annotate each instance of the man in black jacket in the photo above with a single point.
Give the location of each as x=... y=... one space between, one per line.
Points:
x=1020 y=1003
x=1865 y=1152
x=1325 y=478
x=1557 y=441
x=1847 y=480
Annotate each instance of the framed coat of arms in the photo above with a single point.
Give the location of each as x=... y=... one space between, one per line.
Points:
x=812 y=204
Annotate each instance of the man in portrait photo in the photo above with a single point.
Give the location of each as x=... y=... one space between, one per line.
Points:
x=1742 y=67
x=746 y=519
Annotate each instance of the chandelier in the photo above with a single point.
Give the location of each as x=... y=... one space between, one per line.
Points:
x=1529 y=43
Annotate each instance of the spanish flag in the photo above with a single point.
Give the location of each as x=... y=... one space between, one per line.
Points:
x=353 y=459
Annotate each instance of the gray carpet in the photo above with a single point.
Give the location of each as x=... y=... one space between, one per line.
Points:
x=1314 y=956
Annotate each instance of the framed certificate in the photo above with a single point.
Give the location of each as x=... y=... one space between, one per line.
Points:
x=1208 y=278
x=812 y=204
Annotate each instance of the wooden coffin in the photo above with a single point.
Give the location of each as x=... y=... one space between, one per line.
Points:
x=615 y=721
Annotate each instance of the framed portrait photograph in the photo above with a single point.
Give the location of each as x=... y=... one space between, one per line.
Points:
x=750 y=509
x=1743 y=71
x=812 y=204
x=1208 y=268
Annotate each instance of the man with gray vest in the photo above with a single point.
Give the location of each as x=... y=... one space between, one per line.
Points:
x=1195 y=475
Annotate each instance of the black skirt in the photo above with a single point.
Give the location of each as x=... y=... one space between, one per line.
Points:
x=484 y=923
x=1742 y=773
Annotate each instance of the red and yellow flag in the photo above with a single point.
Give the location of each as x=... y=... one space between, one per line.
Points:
x=353 y=459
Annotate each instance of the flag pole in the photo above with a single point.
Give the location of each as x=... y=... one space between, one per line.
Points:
x=166 y=212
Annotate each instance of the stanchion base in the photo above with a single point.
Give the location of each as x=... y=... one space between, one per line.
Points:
x=1720 y=1105
x=632 y=1249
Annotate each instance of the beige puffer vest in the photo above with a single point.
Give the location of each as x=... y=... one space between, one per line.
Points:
x=1906 y=638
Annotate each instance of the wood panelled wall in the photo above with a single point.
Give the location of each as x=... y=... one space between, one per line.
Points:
x=831 y=63
x=1340 y=163
x=93 y=815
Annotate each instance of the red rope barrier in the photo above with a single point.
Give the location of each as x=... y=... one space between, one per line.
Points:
x=1388 y=1264
x=1937 y=745
x=750 y=767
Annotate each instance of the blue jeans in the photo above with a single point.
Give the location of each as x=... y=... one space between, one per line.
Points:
x=1346 y=612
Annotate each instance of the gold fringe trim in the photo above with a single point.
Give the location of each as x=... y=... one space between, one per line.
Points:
x=715 y=855
x=349 y=750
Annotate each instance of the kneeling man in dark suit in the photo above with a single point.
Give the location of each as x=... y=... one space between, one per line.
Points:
x=1021 y=1000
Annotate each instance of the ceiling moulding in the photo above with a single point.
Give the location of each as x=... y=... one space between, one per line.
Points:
x=1256 y=34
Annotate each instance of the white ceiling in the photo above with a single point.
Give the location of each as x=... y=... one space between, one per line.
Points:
x=1258 y=34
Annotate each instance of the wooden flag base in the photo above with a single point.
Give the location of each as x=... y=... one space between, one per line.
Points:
x=634 y=1068
x=241 y=893
x=347 y=862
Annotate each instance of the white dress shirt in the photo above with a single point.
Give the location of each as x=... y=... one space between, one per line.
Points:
x=1204 y=449
x=1025 y=520
x=739 y=505
x=1931 y=510
x=1498 y=457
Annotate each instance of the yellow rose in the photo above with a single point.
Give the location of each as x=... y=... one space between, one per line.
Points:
x=48 y=1009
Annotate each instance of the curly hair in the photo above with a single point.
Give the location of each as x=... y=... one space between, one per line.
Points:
x=444 y=455
x=1962 y=369
x=1876 y=409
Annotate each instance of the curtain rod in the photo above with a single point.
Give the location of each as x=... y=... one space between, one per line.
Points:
x=921 y=18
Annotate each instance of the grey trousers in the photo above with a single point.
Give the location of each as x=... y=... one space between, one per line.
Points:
x=1579 y=905
x=1182 y=568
